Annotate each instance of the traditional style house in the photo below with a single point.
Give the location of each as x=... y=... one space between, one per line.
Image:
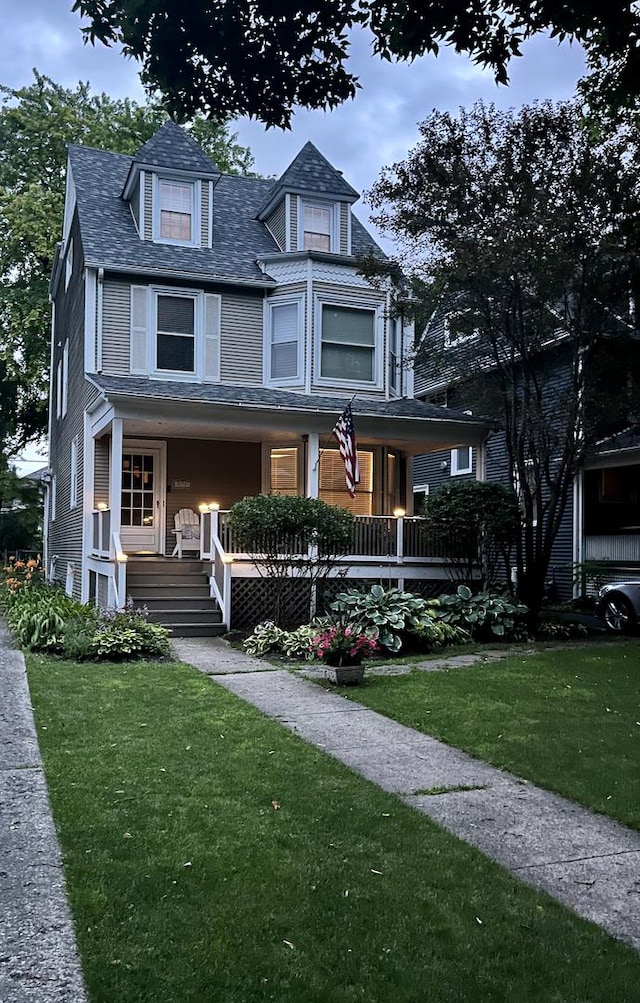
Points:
x=208 y=331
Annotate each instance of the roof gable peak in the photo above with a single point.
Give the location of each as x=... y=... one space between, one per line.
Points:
x=174 y=149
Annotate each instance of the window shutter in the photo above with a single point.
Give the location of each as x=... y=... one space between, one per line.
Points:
x=212 y=305
x=139 y=329
x=65 y=378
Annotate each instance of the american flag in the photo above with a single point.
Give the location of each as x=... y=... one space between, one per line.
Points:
x=344 y=432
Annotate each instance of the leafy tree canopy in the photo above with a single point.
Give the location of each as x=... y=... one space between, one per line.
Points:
x=522 y=227
x=260 y=58
x=36 y=124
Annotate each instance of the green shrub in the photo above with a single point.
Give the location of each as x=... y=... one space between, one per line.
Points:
x=484 y=615
x=126 y=633
x=551 y=630
x=269 y=639
x=37 y=616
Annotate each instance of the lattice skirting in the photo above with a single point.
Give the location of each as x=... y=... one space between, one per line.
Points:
x=253 y=600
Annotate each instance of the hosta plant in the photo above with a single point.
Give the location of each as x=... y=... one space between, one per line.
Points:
x=387 y=614
x=484 y=615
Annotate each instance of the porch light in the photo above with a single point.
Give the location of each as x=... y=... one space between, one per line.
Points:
x=399 y=513
x=227 y=559
x=203 y=508
x=213 y=506
x=102 y=506
x=121 y=557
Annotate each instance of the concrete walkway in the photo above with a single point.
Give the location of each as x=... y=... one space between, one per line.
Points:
x=584 y=860
x=38 y=957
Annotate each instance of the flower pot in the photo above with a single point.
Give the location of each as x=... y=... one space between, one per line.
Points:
x=344 y=670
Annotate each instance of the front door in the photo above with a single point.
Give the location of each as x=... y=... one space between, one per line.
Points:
x=142 y=501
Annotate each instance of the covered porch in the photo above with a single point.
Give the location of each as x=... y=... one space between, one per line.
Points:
x=148 y=459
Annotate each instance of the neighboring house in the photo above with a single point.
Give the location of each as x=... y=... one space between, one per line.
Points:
x=208 y=331
x=601 y=521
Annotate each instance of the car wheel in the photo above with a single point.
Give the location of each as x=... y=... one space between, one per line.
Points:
x=618 y=615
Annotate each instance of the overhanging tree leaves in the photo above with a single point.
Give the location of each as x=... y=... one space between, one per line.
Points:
x=262 y=57
x=36 y=124
x=524 y=231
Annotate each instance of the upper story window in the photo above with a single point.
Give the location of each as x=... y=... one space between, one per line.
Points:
x=284 y=342
x=176 y=334
x=176 y=212
x=347 y=344
x=317 y=226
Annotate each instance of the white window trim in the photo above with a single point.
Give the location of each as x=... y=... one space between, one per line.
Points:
x=456 y=470
x=196 y=210
x=378 y=332
x=197 y=296
x=420 y=489
x=395 y=323
x=59 y=389
x=65 y=378
x=68 y=265
x=73 y=476
x=334 y=218
x=268 y=314
x=53 y=498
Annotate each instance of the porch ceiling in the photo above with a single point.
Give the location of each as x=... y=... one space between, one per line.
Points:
x=159 y=410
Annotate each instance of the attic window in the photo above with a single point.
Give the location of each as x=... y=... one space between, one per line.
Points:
x=176 y=200
x=317 y=227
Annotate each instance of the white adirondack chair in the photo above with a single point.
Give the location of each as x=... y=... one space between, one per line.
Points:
x=187 y=532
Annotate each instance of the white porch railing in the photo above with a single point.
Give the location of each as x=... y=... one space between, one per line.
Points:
x=108 y=561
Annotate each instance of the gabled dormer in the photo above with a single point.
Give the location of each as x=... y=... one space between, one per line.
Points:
x=309 y=207
x=170 y=188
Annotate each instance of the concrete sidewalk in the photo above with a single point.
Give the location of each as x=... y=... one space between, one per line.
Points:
x=587 y=861
x=38 y=957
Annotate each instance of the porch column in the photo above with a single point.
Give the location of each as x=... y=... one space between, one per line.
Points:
x=88 y=502
x=313 y=465
x=115 y=480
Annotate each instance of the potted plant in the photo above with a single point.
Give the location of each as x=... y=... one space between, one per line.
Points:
x=343 y=648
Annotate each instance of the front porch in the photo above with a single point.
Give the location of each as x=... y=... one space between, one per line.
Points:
x=146 y=459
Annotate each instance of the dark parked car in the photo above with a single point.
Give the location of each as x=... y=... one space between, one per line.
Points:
x=618 y=604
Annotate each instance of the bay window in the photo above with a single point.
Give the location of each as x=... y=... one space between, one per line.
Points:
x=347 y=344
x=283 y=351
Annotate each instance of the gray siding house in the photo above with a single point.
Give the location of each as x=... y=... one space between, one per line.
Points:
x=208 y=331
x=599 y=534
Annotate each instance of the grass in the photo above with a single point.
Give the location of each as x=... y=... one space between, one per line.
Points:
x=566 y=720
x=214 y=857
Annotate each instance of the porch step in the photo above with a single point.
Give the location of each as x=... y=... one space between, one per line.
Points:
x=176 y=594
x=138 y=579
x=174 y=617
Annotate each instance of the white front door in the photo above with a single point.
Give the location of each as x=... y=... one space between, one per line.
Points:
x=142 y=499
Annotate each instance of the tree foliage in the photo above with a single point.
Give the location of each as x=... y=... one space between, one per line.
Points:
x=20 y=511
x=260 y=58
x=483 y=517
x=290 y=537
x=522 y=227
x=37 y=123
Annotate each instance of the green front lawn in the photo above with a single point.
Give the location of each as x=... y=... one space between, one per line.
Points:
x=568 y=720
x=214 y=857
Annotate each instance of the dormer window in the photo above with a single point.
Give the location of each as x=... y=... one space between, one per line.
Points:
x=318 y=230
x=176 y=212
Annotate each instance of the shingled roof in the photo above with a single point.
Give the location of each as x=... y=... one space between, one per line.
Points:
x=110 y=239
x=174 y=148
x=311 y=173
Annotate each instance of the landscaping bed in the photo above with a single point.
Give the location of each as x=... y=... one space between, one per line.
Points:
x=212 y=855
